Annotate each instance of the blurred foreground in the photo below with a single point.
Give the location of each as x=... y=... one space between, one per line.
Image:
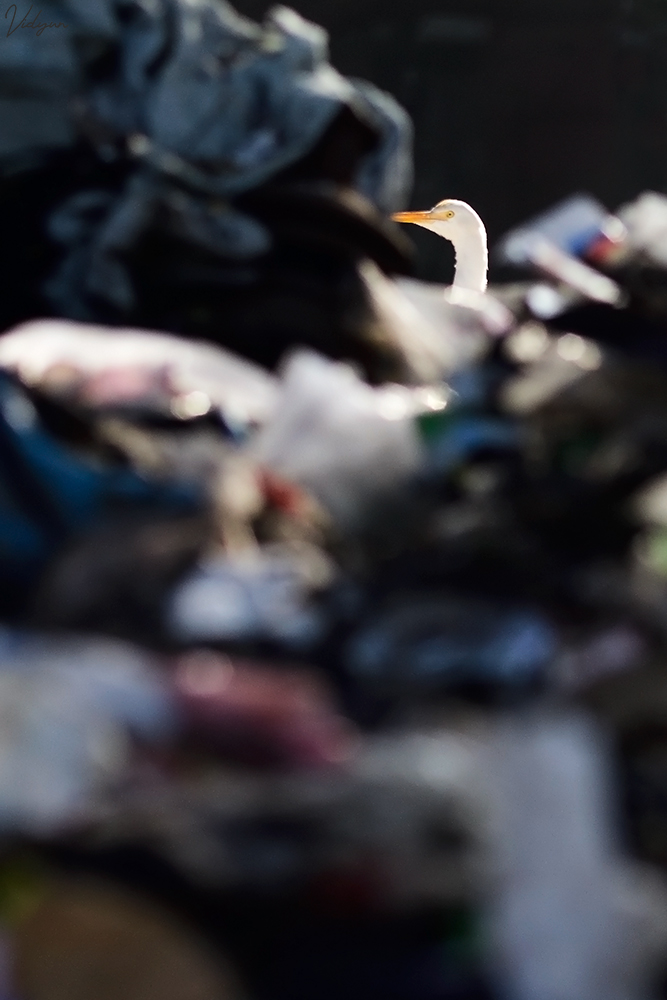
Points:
x=334 y=614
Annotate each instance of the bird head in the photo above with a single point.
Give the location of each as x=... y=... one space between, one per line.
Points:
x=460 y=224
x=450 y=218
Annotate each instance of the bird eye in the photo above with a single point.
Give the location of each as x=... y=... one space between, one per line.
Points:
x=449 y=214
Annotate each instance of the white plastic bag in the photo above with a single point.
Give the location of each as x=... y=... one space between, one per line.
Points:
x=341 y=439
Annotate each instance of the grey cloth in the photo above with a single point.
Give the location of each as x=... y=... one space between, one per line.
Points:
x=208 y=103
x=243 y=101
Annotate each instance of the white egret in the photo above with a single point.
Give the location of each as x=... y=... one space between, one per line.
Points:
x=457 y=222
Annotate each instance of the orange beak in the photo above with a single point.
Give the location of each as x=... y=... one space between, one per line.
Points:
x=411 y=216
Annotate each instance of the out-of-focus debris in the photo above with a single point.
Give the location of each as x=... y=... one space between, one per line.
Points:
x=573 y=226
x=94 y=367
x=251 y=710
x=571 y=918
x=343 y=440
x=415 y=647
x=68 y=706
x=645 y=221
x=334 y=611
x=52 y=497
x=259 y=595
x=197 y=165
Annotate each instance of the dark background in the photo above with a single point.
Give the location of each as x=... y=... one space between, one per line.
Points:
x=516 y=103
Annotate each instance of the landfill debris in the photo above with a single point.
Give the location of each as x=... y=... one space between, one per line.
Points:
x=187 y=168
x=333 y=612
x=69 y=706
x=571 y=916
x=82 y=364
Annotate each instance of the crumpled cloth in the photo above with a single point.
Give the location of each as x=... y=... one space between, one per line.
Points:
x=205 y=105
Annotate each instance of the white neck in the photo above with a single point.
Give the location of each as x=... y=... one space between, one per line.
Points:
x=472 y=261
x=470 y=249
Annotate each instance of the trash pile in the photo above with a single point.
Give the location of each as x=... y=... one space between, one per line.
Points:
x=333 y=613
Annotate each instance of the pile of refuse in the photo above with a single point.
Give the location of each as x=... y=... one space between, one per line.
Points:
x=334 y=614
